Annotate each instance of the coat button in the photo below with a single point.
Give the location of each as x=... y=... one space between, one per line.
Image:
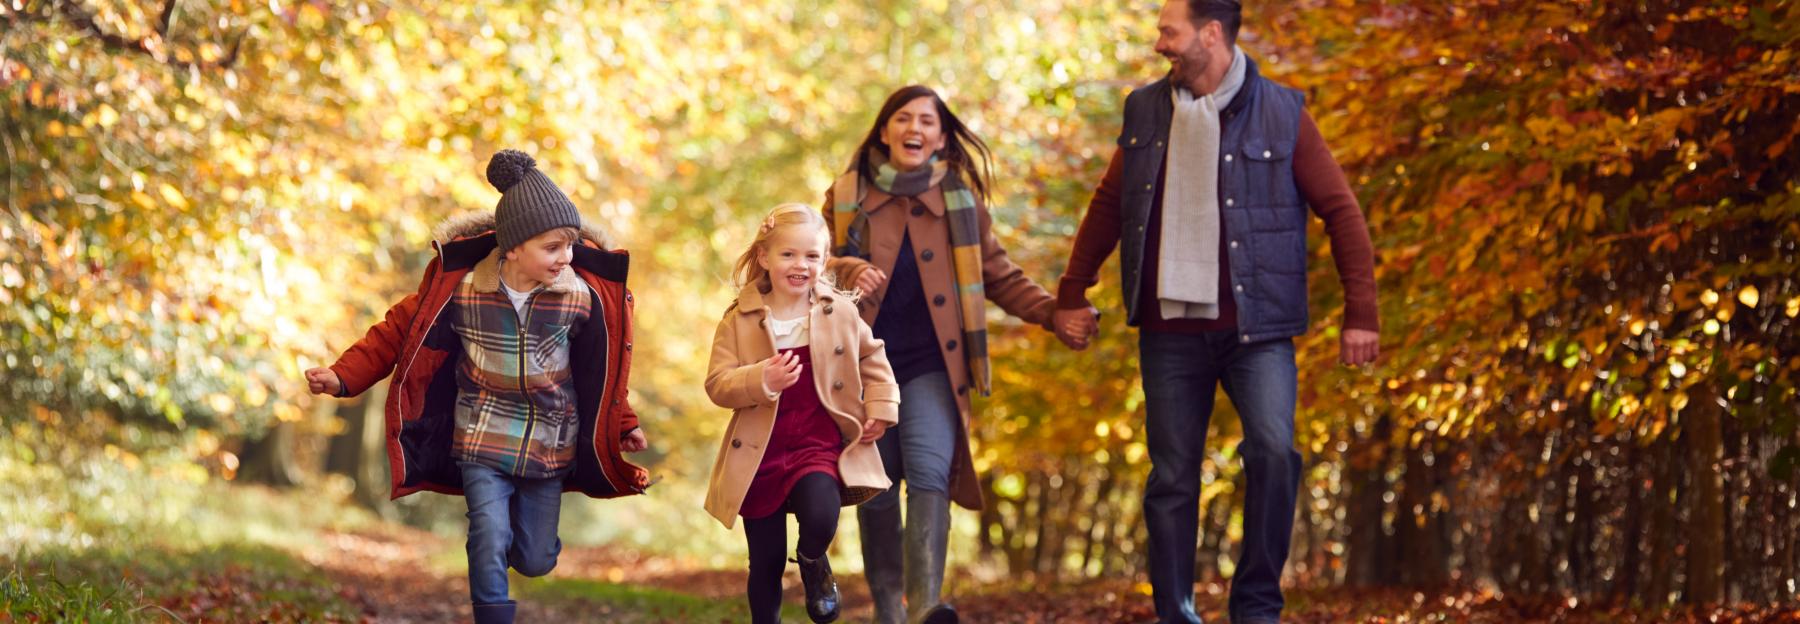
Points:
x=1234 y=244
x=627 y=346
x=938 y=301
x=951 y=345
x=1134 y=140
x=839 y=350
x=627 y=297
x=762 y=323
x=1240 y=288
x=828 y=308
x=962 y=389
x=837 y=385
x=736 y=444
x=927 y=255
x=918 y=211
x=1228 y=201
x=616 y=401
x=1228 y=158
x=1267 y=153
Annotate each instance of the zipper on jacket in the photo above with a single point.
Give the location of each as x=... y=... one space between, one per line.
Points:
x=524 y=393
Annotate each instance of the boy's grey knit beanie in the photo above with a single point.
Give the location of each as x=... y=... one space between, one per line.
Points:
x=530 y=204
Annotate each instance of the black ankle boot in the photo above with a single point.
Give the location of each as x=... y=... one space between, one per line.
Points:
x=821 y=588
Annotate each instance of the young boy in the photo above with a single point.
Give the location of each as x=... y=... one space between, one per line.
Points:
x=510 y=386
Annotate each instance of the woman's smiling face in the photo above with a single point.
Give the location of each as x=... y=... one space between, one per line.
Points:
x=913 y=134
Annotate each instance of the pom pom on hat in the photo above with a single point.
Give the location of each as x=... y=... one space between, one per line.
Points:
x=507 y=167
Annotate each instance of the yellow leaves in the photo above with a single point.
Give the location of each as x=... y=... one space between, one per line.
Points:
x=173 y=196
x=103 y=117
x=1793 y=308
x=1593 y=212
x=1709 y=298
x=1749 y=296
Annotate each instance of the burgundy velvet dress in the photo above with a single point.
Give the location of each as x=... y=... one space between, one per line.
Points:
x=805 y=440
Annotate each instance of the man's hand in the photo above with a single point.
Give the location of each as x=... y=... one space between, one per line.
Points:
x=1359 y=346
x=1075 y=326
x=873 y=430
x=323 y=381
x=634 y=441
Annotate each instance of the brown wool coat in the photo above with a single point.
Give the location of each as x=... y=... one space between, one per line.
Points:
x=1006 y=285
x=849 y=368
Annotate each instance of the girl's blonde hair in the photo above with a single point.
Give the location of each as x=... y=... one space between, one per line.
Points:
x=748 y=271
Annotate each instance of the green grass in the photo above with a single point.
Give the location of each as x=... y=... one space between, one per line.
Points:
x=223 y=583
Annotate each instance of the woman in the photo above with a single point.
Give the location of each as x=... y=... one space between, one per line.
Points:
x=911 y=231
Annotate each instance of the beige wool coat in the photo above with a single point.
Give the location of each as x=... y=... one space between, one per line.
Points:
x=849 y=368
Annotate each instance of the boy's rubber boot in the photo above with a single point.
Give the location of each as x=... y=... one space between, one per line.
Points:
x=498 y=613
x=881 y=561
x=927 y=538
x=821 y=588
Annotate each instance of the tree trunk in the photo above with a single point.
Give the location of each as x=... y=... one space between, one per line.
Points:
x=1706 y=506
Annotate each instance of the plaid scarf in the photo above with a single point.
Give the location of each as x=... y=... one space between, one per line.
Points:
x=850 y=234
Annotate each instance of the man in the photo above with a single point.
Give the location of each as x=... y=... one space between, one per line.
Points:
x=1206 y=196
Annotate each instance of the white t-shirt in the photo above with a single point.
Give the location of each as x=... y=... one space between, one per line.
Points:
x=518 y=298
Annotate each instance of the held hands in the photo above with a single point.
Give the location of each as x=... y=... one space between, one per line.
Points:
x=1075 y=326
x=781 y=371
x=634 y=441
x=873 y=430
x=323 y=381
x=1359 y=346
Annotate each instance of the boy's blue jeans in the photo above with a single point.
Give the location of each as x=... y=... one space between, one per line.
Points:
x=512 y=522
x=1182 y=372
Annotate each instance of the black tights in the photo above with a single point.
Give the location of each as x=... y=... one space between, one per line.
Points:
x=814 y=502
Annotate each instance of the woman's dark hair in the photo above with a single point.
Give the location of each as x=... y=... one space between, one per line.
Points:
x=961 y=147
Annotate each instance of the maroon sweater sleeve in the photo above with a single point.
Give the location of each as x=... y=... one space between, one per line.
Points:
x=1098 y=235
x=1322 y=184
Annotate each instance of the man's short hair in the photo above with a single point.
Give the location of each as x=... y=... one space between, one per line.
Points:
x=1228 y=13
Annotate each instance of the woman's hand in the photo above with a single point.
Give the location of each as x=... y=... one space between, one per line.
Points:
x=873 y=430
x=870 y=280
x=781 y=371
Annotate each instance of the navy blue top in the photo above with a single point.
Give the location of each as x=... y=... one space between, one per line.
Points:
x=904 y=321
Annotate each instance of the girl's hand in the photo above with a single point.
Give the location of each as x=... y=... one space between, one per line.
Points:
x=323 y=381
x=873 y=431
x=781 y=371
x=634 y=441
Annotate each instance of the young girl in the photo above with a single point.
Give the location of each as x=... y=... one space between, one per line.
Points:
x=911 y=232
x=810 y=391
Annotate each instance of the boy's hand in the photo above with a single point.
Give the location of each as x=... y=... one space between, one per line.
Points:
x=873 y=431
x=781 y=371
x=323 y=381
x=634 y=441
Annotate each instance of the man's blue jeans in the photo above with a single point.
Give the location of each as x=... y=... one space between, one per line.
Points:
x=1181 y=374
x=512 y=522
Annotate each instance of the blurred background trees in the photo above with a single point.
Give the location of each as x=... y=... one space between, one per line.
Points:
x=1585 y=214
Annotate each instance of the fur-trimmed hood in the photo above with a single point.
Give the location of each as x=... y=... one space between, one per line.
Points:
x=476 y=223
